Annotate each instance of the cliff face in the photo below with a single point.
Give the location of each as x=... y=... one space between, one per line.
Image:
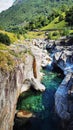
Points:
x=62 y=51
x=10 y=87
x=18 y=72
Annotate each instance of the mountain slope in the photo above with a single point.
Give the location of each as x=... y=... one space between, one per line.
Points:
x=56 y=23
x=25 y=10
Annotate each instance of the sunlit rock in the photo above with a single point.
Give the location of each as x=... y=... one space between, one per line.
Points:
x=37 y=85
x=26 y=85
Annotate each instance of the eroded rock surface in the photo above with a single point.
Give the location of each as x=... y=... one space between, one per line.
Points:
x=61 y=98
x=62 y=54
x=12 y=82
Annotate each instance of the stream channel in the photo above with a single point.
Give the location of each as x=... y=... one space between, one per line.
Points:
x=41 y=104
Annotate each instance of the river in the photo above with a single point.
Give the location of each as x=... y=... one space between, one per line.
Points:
x=41 y=104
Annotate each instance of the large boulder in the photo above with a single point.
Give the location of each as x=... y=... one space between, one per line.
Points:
x=50 y=45
x=46 y=59
x=62 y=104
x=64 y=60
x=34 y=83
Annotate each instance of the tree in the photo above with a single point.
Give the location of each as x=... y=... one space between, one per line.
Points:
x=69 y=17
x=4 y=38
x=61 y=17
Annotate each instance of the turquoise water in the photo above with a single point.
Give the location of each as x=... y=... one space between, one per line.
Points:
x=38 y=102
x=42 y=104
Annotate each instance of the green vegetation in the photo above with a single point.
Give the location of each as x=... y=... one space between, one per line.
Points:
x=3 y=46
x=32 y=19
x=4 y=38
x=56 y=23
x=11 y=57
x=34 y=34
x=7 y=62
x=31 y=12
x=24 y=19
x=12 y=36
x=69 y=17
x=54 y=35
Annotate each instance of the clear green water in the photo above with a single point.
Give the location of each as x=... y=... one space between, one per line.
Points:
x=41 y=104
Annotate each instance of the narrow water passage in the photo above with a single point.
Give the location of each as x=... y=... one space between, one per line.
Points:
x=41 y=104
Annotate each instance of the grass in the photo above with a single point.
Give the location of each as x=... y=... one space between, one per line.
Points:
x=3 y=47
x=70 y=31
x=7 y=62
x=9 y=58
x=52 y=36
x=33 y=34
x=12 y=36
x=55 y=24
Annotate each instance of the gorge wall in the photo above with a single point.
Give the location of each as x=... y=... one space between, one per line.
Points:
x=61 y=52
x=11 y=83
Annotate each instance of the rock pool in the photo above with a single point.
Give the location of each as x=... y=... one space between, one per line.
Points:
x=41 y=104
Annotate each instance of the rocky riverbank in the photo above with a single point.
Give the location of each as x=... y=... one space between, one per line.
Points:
x=61 y=52
x=15 y=79
x=25 y=73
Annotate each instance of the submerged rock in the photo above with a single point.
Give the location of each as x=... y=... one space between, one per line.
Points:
x=23 y=113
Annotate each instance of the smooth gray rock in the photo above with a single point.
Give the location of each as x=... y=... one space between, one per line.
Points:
x=61 y=98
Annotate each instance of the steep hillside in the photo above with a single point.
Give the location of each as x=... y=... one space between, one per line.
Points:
x=23 y=11
x=56 y=23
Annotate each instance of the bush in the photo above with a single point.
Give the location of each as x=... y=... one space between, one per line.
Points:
x=65 y=32
x=49 y=36
x=4 y=38
x=61 y=17
x=55 y=33
x=69 y=17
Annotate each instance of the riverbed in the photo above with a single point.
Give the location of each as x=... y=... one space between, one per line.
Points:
x=41 y=104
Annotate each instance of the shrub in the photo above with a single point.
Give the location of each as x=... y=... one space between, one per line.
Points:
x=65 y=32
x=4 y=38
x=55 y=33
x=49 y=36
x=61 y=17
x=69 y=17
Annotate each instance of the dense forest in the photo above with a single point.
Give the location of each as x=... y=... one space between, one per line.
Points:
x=32 y=14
